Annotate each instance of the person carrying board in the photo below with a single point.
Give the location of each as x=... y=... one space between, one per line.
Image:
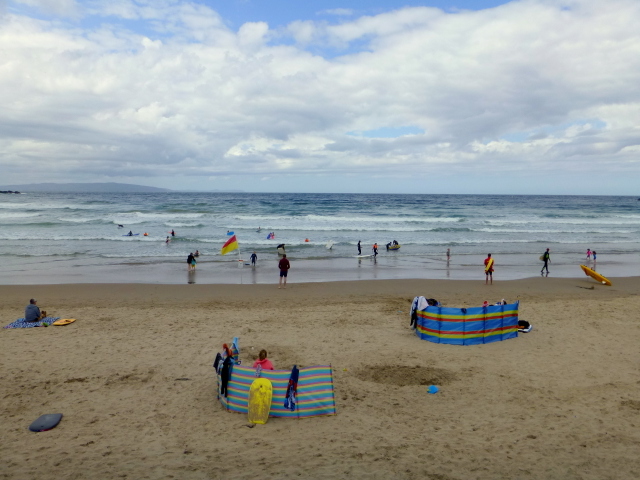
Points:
x=488 y=269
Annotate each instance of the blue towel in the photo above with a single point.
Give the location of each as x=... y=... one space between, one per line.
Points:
x=21 y=323
x=292 y=389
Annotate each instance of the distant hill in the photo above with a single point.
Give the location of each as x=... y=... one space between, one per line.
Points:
x=111 y=187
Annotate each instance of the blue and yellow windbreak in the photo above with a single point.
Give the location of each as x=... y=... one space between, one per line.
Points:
x=468 y=326
x=315 y=391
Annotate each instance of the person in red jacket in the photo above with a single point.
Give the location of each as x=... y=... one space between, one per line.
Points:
x=284 y=266
x=263 y=361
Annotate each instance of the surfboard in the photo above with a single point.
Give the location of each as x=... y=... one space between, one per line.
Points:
x=260 y=400
x=45 y=422
x=363 y=256
x=329 y=245
x=64 y=321
x=127 y=235
x=595 y=275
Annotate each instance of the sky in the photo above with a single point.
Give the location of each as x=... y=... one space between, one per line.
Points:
x=376 y=96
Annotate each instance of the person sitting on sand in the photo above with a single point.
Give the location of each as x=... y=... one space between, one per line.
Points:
x=263 y=361
x=32 y=313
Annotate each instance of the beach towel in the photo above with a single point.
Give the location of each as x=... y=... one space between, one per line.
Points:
x=22 y=323
x=292 y=389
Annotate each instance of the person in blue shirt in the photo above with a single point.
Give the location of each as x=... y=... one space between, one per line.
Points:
x=32 y=313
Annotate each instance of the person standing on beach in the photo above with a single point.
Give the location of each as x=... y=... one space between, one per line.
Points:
x=588 y=254
x=253 y=258
x=375 y=249
x=284 y=267
x=546 y=259
x=359 y=248
x=488 y=269
x=190 y=262
x=594 y=256
x=448 y=254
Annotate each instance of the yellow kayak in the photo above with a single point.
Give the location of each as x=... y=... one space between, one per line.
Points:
x=595 y=275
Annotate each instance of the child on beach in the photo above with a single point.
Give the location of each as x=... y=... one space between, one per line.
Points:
x=263 y=361
x=588 y=253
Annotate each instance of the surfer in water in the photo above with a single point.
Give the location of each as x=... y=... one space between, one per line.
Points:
x=173 y=234
x=359 y=248
x=374 y=249
x=167 y=240
x=130 y=234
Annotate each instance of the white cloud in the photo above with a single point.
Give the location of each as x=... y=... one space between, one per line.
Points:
x=55 y=7
x=339 y=12
x=166 y=89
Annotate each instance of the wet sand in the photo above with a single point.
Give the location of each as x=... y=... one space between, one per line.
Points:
x=562 y=402
x=225 y=270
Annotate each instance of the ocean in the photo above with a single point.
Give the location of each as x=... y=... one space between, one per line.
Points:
x=75 y=237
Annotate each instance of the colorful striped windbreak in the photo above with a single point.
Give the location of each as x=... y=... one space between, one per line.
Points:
x=468 y=326
x=315 y=391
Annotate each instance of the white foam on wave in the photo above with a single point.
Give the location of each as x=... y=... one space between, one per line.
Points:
x=157 y=216
x=263 y=219
x=16 y=215
x=48 y=206
x=179 y=225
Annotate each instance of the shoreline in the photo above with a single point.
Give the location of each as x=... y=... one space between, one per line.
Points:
x=460 y=292
x=213 y=270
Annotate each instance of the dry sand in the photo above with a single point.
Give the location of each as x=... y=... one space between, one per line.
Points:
x=562 y=402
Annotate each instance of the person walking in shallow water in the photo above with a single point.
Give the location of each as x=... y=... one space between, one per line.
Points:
x=284 y=267
x=546 y=259
x=488 y=269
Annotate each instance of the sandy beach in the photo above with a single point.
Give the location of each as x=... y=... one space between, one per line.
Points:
x=134 y=380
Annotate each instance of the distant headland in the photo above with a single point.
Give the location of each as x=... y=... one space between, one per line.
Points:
x=111 y=187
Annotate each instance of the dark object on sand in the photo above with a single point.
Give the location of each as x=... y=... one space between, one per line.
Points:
x=46 y=422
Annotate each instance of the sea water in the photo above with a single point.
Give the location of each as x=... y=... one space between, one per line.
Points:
x=51 y=237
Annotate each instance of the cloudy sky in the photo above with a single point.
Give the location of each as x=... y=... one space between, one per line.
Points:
x=433 y=96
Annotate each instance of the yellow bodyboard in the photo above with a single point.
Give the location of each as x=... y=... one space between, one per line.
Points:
x=595 y=275
x=260 y=400
x=64 y=321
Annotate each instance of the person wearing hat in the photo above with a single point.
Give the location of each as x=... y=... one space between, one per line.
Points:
x=32 y=313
